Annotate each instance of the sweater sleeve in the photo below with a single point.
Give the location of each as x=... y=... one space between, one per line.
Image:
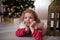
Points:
x=20 y=32
x=37 y=34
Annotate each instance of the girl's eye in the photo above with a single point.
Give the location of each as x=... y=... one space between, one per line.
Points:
x=31 y=18
x=25 y=17
x=28 y=17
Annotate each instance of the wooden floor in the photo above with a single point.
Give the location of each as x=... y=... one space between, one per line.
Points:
x=7 y=32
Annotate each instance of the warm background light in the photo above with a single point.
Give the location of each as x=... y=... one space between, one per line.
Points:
x=41 y=7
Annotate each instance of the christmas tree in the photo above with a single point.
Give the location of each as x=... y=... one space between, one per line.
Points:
x=16 y=7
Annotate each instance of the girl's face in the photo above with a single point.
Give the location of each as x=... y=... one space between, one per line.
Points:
x=28 y=18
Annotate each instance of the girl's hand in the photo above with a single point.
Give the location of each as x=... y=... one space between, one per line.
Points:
x=32 y=24
x=25 y=23
x=27 y=29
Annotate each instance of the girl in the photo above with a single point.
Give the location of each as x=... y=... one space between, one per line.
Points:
x=30 y=23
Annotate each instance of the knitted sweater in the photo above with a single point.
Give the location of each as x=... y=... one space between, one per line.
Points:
x=37 y=33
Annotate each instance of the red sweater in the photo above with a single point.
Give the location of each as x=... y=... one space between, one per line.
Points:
x=37 y=33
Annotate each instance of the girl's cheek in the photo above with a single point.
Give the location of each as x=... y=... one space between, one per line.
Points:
x=31 y=21
x=24 y=22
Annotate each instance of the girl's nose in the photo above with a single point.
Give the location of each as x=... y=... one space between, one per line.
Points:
x=27 y=19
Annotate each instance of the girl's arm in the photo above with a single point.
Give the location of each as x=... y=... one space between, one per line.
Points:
x=36 y=33
x=20 y=32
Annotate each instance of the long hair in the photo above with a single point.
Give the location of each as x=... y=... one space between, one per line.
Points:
x=33 y=13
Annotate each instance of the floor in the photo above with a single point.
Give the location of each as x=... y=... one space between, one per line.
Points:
x=7 y=32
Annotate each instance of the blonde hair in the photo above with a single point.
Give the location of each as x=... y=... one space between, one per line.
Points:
x=33 y=13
